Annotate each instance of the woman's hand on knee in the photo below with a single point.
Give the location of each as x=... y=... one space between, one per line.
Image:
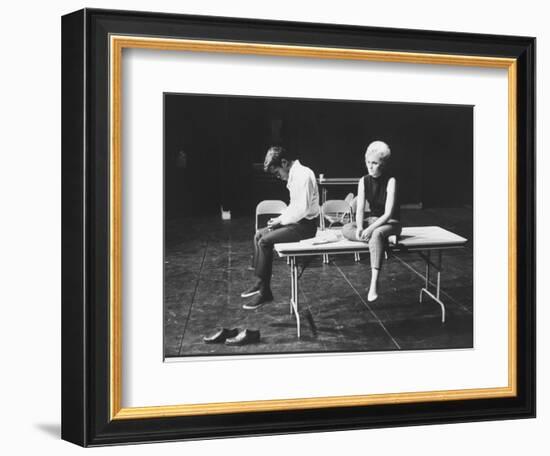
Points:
x=366 y=234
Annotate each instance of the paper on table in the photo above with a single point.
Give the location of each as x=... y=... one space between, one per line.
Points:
x=325 y=238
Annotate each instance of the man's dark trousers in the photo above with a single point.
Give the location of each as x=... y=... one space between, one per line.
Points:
x=265 y=238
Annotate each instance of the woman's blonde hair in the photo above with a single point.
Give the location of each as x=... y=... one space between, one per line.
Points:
x=378 y=150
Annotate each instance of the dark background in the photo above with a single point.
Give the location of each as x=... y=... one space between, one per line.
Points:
x=215 y=148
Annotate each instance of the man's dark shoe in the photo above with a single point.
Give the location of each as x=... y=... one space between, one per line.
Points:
x=246 y=336
x=220 y=336
x=251 y=291
x=259 y=301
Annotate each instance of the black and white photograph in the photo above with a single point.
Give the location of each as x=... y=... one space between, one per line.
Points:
x=275 y=228
x=311 y=226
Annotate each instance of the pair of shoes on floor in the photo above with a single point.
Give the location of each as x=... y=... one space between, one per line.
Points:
x=221 y=335
x=233 y=337
x=259 y=300
x=245 y=337
x=254 y=290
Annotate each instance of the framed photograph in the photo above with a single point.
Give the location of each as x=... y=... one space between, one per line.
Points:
x=275 y=227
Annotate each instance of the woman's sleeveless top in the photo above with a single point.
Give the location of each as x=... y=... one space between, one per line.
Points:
x=375 y=194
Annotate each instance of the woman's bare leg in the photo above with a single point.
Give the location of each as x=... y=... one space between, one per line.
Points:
x=373 y=289
x=377 y=245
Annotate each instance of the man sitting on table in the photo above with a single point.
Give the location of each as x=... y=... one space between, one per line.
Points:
x=298 y=221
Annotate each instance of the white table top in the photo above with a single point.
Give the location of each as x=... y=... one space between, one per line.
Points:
x=411 y=238
x=338 y=180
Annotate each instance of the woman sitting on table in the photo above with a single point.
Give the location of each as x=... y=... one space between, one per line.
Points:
x=379 y=189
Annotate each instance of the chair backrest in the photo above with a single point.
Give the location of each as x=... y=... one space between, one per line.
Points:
x=349 y=198
x=335 y=211
x=353 y=205
x=269 y=207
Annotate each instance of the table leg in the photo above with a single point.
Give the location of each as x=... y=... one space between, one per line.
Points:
x=296 y=301
x=426 y=274
x=291 y=261
x=438 y=267
x=294 y=295
x=428 y=271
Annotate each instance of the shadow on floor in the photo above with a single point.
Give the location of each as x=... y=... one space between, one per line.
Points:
x=51 y=429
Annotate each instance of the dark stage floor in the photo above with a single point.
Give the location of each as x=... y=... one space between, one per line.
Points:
x=206 y=270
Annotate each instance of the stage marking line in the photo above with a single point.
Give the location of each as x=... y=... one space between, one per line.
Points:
x=367 y=306
x=193 y=299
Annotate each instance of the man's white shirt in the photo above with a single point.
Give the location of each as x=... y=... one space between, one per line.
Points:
x=304 y=195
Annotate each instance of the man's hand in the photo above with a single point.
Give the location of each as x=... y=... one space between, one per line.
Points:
x=273 y=223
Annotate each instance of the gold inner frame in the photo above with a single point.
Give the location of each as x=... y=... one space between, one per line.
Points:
x=117 y=44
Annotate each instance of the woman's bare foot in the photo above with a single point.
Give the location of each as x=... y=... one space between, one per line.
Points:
x=373 y=290
x=372 y=296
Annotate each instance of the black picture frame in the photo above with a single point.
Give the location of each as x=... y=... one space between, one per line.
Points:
x=86 y=272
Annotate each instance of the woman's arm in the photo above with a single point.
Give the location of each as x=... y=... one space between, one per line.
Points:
x=360 y=209
x=388 y=209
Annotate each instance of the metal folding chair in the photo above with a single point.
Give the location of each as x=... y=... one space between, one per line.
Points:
x=334 y=211
x=271 y=207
